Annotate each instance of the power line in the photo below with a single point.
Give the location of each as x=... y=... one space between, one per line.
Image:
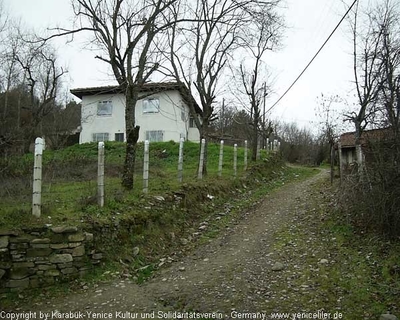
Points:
x=313 y=58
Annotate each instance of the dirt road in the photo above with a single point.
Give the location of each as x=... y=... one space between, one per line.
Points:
x=238 y=273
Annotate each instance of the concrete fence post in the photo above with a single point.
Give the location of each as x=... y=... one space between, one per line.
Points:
x=275 y=144
x=201 y=162
x=268 y=144
x=235 y=160
x=146 y=167
x=180 y=161
x=245 y=154
x=37 y=178
x=221 y=158
x=258 y=154
x=100 y=175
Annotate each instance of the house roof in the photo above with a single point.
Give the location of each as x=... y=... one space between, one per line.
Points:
x=147 y=87
x=348 y=139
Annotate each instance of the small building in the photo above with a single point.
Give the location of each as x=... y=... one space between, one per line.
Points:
x=162 y=113
x=368 y=139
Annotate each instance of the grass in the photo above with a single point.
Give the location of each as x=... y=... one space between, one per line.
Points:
x=154 y=226
x=362 y=277
x=69 y=179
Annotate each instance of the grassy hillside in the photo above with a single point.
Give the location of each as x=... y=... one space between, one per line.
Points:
x=69 y=179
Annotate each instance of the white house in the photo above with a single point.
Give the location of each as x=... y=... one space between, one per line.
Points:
x=162 y=113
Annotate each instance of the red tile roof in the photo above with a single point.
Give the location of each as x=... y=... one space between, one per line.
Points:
x=348 y=139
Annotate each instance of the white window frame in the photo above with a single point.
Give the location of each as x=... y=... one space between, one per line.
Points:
x=155 y=135
x=104 y=108
x=151 y=105
x=100 y=136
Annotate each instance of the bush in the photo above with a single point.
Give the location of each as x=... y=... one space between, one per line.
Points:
x=373 y=196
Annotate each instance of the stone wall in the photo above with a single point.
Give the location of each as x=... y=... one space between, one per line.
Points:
x=36 y=257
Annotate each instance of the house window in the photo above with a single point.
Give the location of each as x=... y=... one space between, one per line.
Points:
x=103 y=136
x=119 y=137
x=151 y=105
x=104 y=108
x=192 y=123
x=155 y=136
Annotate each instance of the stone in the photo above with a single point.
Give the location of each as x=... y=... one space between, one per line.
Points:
x=23 y=265
x=79 y=264
x=8 y=233
x=24 y=283
x=59 y=238
x=52 y=273
x=20 y=273
x=78 y=251
x=41 y=241
x=97 y=256
x=74 y=244
x=65 y=265
x=18 y=258
x=135 y=251
x=323 y=261
x=184 y=241
x=20 y=240
x=40 y=245
x=5 y=265
x=69 y=270
x=2 y=273
x=88 y=237
x=76 y=237
x=388 y=316
x=42 y=252
x=61 y=258
x=278 y=266
x=58 y=246
x=45 y=267
x=3 y=241
x=159 y=198
x=64 y=229
x=18 y=246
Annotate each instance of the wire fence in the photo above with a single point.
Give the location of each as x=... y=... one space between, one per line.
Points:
x=70 y=177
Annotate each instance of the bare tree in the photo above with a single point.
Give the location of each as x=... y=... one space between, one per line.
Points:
x=126 y=32
x=262 y=36
x=367 y=74
x=201 y=50
x=386 y=18
x=329 y=124
x=43 y=80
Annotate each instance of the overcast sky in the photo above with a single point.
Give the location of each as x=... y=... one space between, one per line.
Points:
x=309 y=24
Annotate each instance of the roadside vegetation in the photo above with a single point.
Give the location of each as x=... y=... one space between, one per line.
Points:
x=138 y=230
x=335 y=265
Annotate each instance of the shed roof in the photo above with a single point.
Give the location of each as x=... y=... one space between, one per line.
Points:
x=348 y=139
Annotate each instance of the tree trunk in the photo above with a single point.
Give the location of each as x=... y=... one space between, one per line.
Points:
x=132 y=137
x=332 y=161
x=204 y=135
x=254 y=140
x=357 y=143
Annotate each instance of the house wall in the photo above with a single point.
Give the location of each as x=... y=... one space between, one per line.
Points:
x=172 y=118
